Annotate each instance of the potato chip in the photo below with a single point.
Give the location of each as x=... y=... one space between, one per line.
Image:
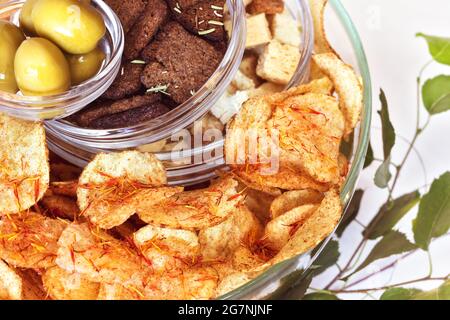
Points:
x=62 y=285
x=259 y=203
x=168 y=248
x=10 y=283
x=24 y=168
x=316 y=228
x=60 y=206
x=198 y=209
x=309 y=125
x=220 y=241
x=232 y=281
x=29 y=240
x=279 y=230
x=117 y=291
x=348 y=87
x=112 y=183
x=292 y=199
x=99 y=257
x=321 y=44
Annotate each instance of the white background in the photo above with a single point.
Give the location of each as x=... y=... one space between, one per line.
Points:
x=387 y=29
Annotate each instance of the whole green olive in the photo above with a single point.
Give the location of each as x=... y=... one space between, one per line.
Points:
x=10 y=39
x=85 y=66
x=41 y=68
x=25 y=20
x=73 y=25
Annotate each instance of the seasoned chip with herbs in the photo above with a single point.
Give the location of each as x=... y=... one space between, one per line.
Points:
x=29 y=240
x=113 y=186
x=63 y=285
x=24 y=168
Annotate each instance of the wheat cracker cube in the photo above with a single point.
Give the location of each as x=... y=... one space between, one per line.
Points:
x=286 y=29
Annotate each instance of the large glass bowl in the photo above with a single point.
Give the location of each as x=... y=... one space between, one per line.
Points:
x=277 y=280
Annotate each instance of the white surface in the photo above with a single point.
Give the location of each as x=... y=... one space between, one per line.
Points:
x=387 y=29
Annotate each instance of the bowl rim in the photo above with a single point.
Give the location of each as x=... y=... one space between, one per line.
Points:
x=35 y=103
x=302 y=262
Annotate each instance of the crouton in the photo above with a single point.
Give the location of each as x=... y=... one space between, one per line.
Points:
x=278 y=62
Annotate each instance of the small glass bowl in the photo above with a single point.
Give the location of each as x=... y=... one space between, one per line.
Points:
x=178 y=118
x=79 y=145
x=65 y=104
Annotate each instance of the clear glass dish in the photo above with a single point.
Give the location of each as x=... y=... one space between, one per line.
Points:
x=94 y=141
x=79 y=145
x=274 y=282
x=65 y=104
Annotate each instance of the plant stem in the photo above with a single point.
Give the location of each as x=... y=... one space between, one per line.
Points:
x=427 y=278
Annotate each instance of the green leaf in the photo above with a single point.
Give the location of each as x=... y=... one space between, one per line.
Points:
x=388 y=131
x=399 y=294
x=390 y=214
x=328 y=257
x=347 y=144
x=320 y=296
x=433 y=218
x=293 y=286
x=383 y=174
x=439 y=48
x=369 y=157
x=351 y=212
x=440 y=293
x=436 y=94
x=392 y=243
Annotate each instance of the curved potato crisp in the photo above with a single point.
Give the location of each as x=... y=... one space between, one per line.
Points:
x=321 y=44
x=314 y=229
x=168 y=248
x=10 y=283
x=24 y=168
x=279 y=230
x=348 y=87
x=220 y=241
x=195 y=210
x=111 y=184
x=62 y=285
x=100 y=257
x=232 y=281
x=292 y=199
x=29 y=240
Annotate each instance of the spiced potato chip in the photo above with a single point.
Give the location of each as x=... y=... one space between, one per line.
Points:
x=197 y=209
x=348 y=87
x=29 y=239
x=99 y=257
x=24 y=167
x=63 y=285
x=168 y=248
x=292 y=199
x=10 y=283
x=219 y=242
x=112 y=184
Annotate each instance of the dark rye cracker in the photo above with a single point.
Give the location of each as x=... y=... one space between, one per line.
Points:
x=130 y=117
x=204 y=19
x=179 y=61
x=265 y=6
x=128 y=11
x=127 y=83
x=100 y=109
x=145 y=28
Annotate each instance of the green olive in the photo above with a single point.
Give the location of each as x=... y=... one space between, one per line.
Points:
x=25 y=20
x=85 y=66
x=75 y=26
x=10 y=39
x=41 y=68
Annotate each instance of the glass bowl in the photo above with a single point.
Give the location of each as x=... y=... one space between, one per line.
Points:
x=79 y=145
x=277 y=280
x=94 y=141
x=65 y=104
